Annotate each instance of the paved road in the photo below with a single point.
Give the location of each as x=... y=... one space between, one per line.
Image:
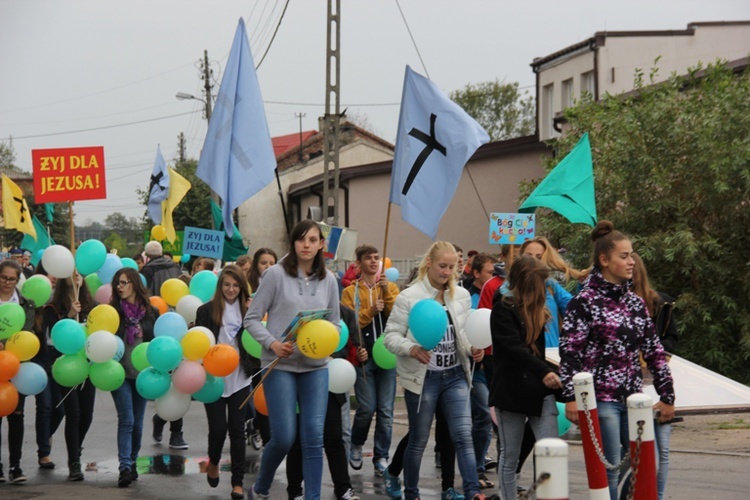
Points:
x=176 y=475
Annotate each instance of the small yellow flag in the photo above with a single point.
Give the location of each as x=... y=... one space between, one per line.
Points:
x=15 y=210
x=178 y=188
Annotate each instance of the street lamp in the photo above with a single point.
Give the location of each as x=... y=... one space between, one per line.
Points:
x=183 y=96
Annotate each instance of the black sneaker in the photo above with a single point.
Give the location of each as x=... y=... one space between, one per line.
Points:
x=74 y=471
x=2 y=476
x=176 y=441
x=134 y=473
x=124 y=480
x=16 y=475
x=158 y=433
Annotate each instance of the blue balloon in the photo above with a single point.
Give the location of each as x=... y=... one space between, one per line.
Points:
x=111 y=265
x=68 y=336
x=185 y=257
x=343 y=337
x=392 y=274
x=90 y=257
x=152 y=383
x=143 y=279
x=428 y=322
x=128 y=262
x=120 y=352
x=170 y=324
x=31 y=379
x=164 y=353
x=211 y=390
x=203 y=285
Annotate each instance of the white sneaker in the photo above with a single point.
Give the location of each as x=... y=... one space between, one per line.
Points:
x=355 y=457
x=349 y=495
x=380 y=465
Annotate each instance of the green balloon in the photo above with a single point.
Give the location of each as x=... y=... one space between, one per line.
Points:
x=70 y=370
x=138 y=357
x=384 y=358
x=12 y=318
x=107 y=376
x=128 y=262
x=211 y=390
x=37 y=289
x=251 y=345
x=93 y=282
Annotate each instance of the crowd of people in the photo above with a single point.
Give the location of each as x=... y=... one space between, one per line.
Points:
x=607 y=320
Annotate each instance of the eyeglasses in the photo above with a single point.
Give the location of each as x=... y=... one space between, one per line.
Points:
x=8 y=279
x=123 y=283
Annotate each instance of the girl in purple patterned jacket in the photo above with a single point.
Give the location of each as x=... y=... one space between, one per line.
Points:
x=605 y=328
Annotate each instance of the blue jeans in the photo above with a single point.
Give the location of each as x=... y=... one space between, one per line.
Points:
x=450 y=390
x=131 y=407
x=613 y=421
x=511 y=428
x=284 y=390
x=481 y=433
x=376 y=391
x=662 y=433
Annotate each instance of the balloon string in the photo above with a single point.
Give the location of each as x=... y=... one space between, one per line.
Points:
x=68 y=394
x=267 y=369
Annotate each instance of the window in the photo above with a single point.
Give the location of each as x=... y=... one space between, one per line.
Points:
x=566 y=97
x=548 y=110
x=588 y=84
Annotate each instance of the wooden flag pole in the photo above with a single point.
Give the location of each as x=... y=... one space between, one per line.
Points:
x=387 y=225
x=72 y=228
x=268 y=369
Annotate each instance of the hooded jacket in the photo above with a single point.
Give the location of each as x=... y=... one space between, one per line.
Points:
x=157 y=271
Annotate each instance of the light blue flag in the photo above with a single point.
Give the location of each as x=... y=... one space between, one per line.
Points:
x=237 y=159
x=158 y=188
x=435 y=139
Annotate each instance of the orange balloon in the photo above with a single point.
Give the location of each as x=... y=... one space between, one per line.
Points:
x=160 y=304
x=387 y=263
x=8 y=398
x=221 y=360
x=259 y=400
x=9 y=365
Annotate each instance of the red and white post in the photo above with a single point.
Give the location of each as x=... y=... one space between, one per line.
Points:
x=640 y=414
x=552 y=458
x=595 y=470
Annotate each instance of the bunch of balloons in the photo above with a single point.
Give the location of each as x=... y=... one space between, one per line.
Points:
x=17 y=373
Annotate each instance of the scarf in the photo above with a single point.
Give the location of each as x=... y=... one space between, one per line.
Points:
x=133 y=313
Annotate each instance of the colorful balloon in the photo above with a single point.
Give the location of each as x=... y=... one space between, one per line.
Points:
x=477 y=328
x=318 y=339
x=107 y=376
x=103 y=317
x=103 y=294
x=392 y=274
x=563 y=424
x=68 y=336
x=221 y=360
x=208 y=333
x=189 y=377
x=170 y=324
x=173 y=290
x=187 y=307
x=23 y=344
x=341 y=376
x=259 y=401
x=90 y=256
x=164 y=353
x=8 y=398
x=159 y=303
x=9 y=365
x=93 y=282
x=211 y=390
x=70 y=370
x=428 y=323
x=195 y=345
x=203 y=285
x=12 y=318
x=158 y=232
x=173 y=405
x=31 y=379
x=128 y=262
x=58 y=261
x=120 y=352
x=343 y=336
x=152 y=383
x=38 y=289
x=251 y=345
x=112 y=264
x=384 y=358
x=138 y=357
x=100 y=346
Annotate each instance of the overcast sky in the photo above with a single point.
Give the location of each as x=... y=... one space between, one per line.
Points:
x=105 y=73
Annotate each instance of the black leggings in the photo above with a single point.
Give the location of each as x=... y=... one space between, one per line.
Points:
x=15 y=433
x=225 y=416
x=79 y=412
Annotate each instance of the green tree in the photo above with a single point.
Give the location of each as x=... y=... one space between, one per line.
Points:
x=672 y=170
x=501 y=108
x=116 y=242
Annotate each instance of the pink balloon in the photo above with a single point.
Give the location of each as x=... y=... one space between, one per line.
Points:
x=103 y=294
x=189 y=377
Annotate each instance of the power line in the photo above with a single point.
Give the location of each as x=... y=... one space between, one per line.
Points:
x=412 y=39
x=273 y=37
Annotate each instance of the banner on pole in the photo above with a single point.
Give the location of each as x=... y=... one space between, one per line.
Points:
x=68 y=174
x=203 y=242
x=509 y=228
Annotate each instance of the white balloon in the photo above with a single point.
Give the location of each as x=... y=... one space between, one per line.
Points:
x=477 y=328
x=187 y=306
x=58 y=261
x=341 y=376
x=208 y=333
x=173 y=405
x=101 y=346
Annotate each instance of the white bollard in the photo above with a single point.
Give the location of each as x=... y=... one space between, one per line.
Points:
x=583 y=383
x=552 y=458
x=641 y=414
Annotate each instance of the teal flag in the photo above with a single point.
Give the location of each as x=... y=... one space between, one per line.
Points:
x=49 y=211
x=42 y=240
x=569 y=188
x=233 y=247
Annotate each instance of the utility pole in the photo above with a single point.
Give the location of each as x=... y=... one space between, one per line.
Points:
x=331 y=120
x=300 y=116
x=207 y=74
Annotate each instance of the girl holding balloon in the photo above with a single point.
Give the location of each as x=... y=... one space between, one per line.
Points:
x=71 y=300
x=137 y=317
x=223 y=315
x=523 y=384
x=299 y=282
x=19 y=311
x=433 y=362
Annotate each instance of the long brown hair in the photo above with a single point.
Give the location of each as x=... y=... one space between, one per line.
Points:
x=217 y=302
x=527 y=284
x=64 y=296
x=642 y=286
x=254 y=276
x=141 y=294
x=290 y=263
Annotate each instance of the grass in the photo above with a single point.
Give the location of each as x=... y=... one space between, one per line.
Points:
x=738 y=423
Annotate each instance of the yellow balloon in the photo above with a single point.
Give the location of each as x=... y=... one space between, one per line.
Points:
x=173 y=290
x=23 y=344
x=158 y=232
x=318 y=339
x=103 y=317
x=195 y=345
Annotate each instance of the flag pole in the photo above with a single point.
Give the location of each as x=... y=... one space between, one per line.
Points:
x=72 y=228
x=387 y=224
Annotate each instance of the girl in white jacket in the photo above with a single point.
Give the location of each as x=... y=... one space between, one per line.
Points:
x=438 y=377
